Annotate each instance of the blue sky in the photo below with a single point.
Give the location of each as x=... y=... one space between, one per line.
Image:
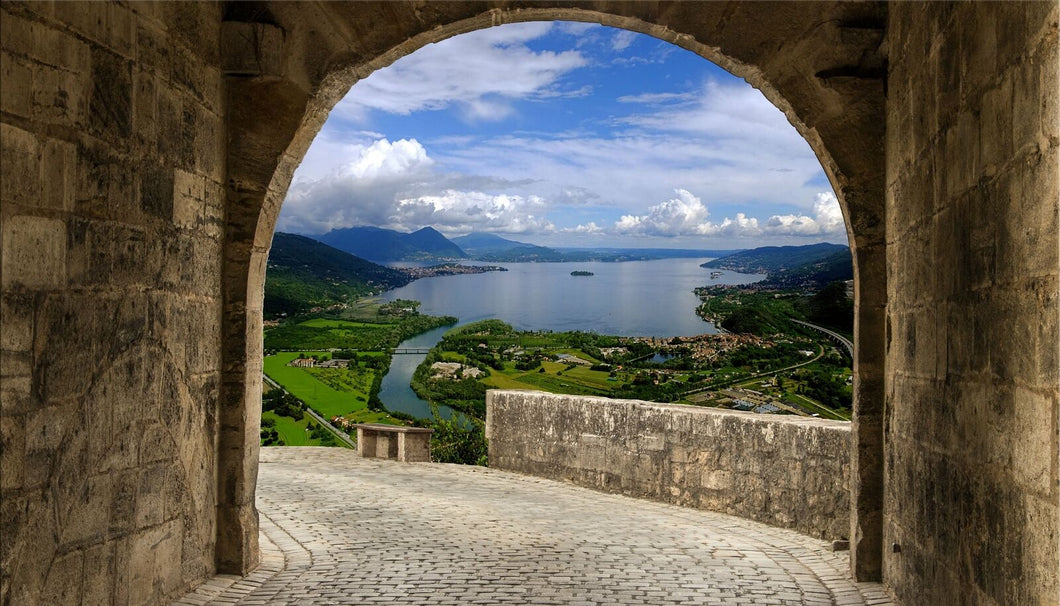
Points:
x=564 y=134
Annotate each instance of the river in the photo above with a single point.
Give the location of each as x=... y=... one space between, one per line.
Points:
x=633 y=298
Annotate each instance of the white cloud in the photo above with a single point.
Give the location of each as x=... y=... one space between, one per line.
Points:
x=466 y=211
x=827 y=220
x=622 y=39
x=386 y=159
x=685 y=215
x=480 y=73
x=590 y=228
x=680 y=216
x=397 y=185
x=724 y=141
x=656 y=98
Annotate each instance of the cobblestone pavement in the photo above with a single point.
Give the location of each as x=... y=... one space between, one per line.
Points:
x=337 y=529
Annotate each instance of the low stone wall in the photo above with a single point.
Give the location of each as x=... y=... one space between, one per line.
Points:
x=791 y=472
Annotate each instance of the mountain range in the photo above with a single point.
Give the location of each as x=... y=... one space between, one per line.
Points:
x=385 y=245
x=427 y=244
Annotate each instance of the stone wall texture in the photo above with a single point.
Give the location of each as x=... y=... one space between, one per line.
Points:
x=146 y=148
x=971 y=509
x=113 y=163
x=791 y=472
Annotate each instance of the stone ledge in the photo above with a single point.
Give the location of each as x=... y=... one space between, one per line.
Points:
x=791 y=472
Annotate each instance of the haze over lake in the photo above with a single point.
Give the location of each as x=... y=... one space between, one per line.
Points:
x=633 y=298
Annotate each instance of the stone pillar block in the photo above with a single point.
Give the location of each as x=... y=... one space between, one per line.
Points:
x=34 y=253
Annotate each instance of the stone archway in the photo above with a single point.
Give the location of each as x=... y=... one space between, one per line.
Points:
x=287 y=66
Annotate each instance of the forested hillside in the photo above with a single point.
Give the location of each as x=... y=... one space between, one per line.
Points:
x=304 y=273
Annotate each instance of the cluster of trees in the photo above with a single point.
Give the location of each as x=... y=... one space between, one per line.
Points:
x=826 y=388
x=459 y=441
x=325 y=437
x=378 y=335
x=283 y=404
x=269 y=435
x=466 y=395
x=374 y=362
x=756 y=358
x=830 y=307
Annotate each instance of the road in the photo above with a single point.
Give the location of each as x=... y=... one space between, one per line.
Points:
x=768 y=373
x=845 y=342
x=341 y=435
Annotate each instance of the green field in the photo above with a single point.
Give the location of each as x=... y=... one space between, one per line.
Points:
x=293 y=433
x=579 y=380
x=329 y=323
x=329 y=391
x=367 y=330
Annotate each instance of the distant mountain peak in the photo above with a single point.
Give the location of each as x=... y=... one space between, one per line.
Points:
x=378 y=244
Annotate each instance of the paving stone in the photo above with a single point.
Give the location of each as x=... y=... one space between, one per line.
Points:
x=338 y=529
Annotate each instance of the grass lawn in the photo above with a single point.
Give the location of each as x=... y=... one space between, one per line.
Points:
x=506 y=380
x=293 y=433
x=323 y=398
x=592 y=378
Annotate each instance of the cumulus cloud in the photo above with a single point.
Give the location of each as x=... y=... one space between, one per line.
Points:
x=827 y=220
x=680 y=216
x=479 y=73
x=397 y=185
x=466 y=211
x=686 y=215
x=590 y=228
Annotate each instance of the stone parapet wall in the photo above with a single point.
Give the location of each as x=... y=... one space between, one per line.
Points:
x=791 y=472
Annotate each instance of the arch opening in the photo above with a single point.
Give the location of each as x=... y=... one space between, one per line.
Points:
x=855 y=193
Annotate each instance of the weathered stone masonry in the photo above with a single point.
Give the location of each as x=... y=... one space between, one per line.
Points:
x=113 y=225
x=972 y=259
x=145 y=149
x=791 y=472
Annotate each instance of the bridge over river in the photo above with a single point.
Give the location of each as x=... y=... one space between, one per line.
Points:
x=411 y=350
x=339 y=529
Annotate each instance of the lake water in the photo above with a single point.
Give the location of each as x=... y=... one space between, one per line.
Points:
x=634 y=298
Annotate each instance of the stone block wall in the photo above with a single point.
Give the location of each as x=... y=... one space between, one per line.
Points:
x=972 y=508
x=791 y=472
x=112 y=211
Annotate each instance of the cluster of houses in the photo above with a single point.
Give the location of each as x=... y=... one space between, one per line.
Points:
x=453 y=370
x=314 y=363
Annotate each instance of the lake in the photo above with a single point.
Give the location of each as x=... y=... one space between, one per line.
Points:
x=632 y=298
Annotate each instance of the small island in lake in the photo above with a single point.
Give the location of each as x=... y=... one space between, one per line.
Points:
x=581 y=273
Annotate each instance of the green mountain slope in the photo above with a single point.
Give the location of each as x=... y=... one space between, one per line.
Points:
x=304 y=273
x=815 y=274
x=774 y=259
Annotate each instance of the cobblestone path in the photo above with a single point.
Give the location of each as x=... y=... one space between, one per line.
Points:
x=337 y=529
